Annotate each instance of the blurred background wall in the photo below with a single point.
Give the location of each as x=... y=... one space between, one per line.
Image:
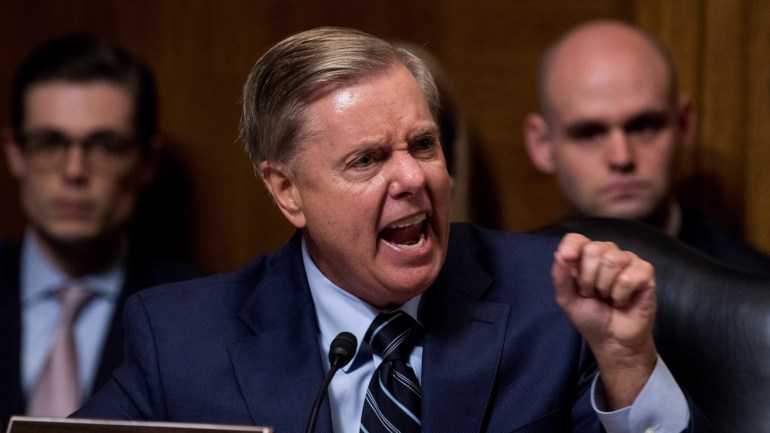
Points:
x=202 y=50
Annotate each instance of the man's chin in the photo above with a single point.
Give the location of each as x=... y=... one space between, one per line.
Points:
x=70 y=237
x=627 y=211
x=73 y=236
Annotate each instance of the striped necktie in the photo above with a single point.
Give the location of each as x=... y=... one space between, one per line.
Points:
x=57 y=391
x=393 y=400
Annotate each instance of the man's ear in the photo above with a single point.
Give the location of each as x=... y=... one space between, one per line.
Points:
x=538 y=142
x=282 y=185
x=13 y=154
x=687 y=121
x=151 y=161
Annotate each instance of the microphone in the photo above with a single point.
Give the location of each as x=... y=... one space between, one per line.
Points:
x=341 y=351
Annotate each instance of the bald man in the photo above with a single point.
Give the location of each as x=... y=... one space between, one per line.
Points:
x=611 y=126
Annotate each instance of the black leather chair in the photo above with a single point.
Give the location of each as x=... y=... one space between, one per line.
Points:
x=713 y=323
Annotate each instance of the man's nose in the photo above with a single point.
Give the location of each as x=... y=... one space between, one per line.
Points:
x=74 y=161
x=408 y=176
x=619 y=152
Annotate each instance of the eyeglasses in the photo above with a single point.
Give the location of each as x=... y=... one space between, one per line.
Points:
x=103 y=151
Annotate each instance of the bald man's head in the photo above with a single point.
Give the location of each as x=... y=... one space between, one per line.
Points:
x=611 y=122
x=596 y=45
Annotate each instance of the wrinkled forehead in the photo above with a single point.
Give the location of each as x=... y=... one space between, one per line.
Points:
x=340 y=97
x=388 y=100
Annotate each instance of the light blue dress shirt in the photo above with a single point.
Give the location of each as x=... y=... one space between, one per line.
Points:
x=660 y=408
x=39 y=279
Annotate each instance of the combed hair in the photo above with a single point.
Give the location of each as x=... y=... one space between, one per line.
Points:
x=297 y=70
x=83 y=59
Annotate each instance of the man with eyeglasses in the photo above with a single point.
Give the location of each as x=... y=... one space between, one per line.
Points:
x=83 y=145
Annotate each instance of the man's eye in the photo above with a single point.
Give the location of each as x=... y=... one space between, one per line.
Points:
x=425 y=145
x=646 y=126
x=110 y=144
x=46 y=142
x=586 y=132
x=363 y=161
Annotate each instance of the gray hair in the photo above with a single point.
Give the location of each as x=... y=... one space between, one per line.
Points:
x=291 y=74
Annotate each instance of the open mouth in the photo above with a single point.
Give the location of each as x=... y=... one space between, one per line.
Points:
x=409 y=232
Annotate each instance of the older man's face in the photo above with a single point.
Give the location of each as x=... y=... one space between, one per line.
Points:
x=372 y=189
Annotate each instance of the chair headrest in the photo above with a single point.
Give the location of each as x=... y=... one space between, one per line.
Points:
x=713 y=322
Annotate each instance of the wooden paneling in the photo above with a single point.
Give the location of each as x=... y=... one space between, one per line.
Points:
x=757 y=204
x=678 y=26
x=202 y=50
x=492 y=50
x=722 y=110
x=722 y=52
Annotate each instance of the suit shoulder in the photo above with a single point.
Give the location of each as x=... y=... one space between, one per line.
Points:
x=227 y=285
x=506 y=257
x=9 y=252
x=467 y=236
x=716 y=241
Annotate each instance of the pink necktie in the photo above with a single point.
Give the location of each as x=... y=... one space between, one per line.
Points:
x=57 y=391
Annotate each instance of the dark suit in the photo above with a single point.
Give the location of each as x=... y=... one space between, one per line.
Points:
x=143 y=270
x=242 y=348
x=706 y=236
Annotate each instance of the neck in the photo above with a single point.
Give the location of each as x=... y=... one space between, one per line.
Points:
x=668 y=218
x=674 y=221
x=79 y=257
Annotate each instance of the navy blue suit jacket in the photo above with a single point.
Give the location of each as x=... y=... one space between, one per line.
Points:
x=242 y=348
x=143 y=270
x=706 y=236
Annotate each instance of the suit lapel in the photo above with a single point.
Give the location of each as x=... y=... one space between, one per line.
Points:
x=461 y=355
x=462 y=346
x=279 y=368
x=12 y=401
x=143 y=269
x=112 y=352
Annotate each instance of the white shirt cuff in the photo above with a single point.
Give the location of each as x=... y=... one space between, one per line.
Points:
x=660 y=407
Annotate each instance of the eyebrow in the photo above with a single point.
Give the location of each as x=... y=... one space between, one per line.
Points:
x=585 y=126
x=652 y=117
x=50 y=130
x=427 y=129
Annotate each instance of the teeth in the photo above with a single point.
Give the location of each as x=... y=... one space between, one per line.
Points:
x=416 y=245
x=409 y=221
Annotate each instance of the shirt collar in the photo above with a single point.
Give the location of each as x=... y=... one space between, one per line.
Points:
x=39 y=276
x=673 y=224
x=338 y=310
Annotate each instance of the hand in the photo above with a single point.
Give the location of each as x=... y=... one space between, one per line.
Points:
x=609 y=295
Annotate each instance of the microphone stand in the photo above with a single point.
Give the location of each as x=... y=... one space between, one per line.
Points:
x=341 y=351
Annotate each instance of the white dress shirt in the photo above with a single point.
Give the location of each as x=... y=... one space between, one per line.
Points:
x=39 y=279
